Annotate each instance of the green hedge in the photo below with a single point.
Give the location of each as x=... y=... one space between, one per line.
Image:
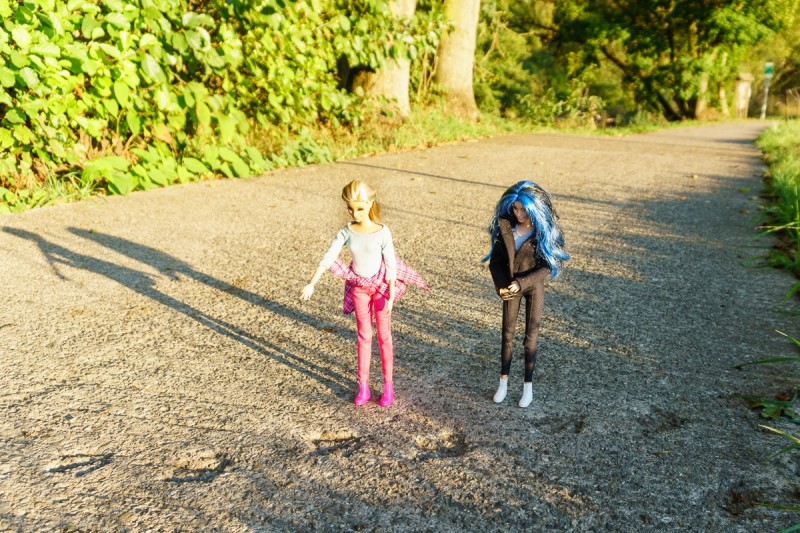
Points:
x=129 y=95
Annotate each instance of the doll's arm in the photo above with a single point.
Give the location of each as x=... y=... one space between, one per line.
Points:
x=498 y=266
x=308 y=290
x=333 y=252
x=390 y=304
x=526 y=282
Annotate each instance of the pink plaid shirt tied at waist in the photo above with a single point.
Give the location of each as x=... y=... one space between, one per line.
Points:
x=405 y=275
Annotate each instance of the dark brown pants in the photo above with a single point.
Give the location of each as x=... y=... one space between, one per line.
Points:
x=534 y=306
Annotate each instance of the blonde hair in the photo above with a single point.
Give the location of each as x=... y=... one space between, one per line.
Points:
x=358 y=191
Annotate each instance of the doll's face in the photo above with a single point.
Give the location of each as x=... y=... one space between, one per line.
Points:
x=520 y=214
x=359 y=211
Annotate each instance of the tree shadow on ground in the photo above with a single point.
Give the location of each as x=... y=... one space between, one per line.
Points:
x=417 y=173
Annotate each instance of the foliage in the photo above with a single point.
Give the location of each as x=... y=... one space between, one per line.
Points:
x=776 y=408
x=773 y=409
x=114 y=94
x=425 y=28
x=783 y=405
x=671 y=53
x=782 y=148
x=118 y=96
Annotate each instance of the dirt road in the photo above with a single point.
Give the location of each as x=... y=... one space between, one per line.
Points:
x=160 y=373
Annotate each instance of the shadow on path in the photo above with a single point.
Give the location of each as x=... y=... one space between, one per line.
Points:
x=172 y=267
x=416 y=173
x=142 y=283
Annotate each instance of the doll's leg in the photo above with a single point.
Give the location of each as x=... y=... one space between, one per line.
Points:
x=510 y=312
x=385 y=342
x=534 y=306
x=361 y=302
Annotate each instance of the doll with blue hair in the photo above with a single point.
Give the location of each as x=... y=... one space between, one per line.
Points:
x=527 y=247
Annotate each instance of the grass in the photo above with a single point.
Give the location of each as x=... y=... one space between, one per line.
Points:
x=781 y=146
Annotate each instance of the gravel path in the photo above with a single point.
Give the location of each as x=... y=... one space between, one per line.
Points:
x=160 y=373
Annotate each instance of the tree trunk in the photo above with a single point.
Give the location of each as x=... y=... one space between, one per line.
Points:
x=723 y=95
x=393 y=80
x=457 y=57
x=701 y=104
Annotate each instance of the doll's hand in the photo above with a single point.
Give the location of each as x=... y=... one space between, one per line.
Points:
x=308 y=290
x=514 y=287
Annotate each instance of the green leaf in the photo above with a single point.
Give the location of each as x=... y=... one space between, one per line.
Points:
x=148 y=40
x=203 y=114
x=195 y=166
x=159 y=177
x=258 y=163
x=239 y=166
x=118 y=20
x=21 y=36
x=16 y=116
x=90 y=66
x=19 y=59
x=88 y=25
x=111 y=51
x=196 y=40
x=112 y=106
x=122 y=93
x=214 y=60
x=121 y=184
x=7 y=78
x=23 y=134
x=152 y=70
x=193 y=20
x=227 y=129
x=179 y=43
x=133 y=122
x=6 y=139
x=188 y=97
x=103 y=168
x=46 y=50
x=163 y=99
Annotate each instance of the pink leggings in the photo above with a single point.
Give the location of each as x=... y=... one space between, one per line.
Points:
x=366 y=301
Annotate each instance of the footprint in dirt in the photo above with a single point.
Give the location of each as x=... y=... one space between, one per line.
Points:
x=445 y=444
x=337 y=443
x=81 y=464
x=198 y=466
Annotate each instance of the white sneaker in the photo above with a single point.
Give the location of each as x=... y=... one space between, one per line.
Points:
x=502 y=389
x=527 y=395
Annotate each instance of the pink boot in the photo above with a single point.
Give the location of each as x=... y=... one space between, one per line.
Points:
x=388 y=395
x=363 y=395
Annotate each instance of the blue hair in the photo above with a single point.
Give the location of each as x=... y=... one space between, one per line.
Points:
x=536 y=201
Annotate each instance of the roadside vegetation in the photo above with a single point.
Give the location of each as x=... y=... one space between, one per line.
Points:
x=781 y=147
x=115 y=96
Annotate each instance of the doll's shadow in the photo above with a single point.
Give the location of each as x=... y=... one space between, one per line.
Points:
x=174 y=268
x=144 y=284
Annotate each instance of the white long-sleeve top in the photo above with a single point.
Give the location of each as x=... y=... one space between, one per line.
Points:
x=367 y=249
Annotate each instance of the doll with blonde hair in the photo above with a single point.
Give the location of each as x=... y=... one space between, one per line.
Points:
x=374 y=280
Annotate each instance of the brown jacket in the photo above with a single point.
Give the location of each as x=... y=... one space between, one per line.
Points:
x=508 y=265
